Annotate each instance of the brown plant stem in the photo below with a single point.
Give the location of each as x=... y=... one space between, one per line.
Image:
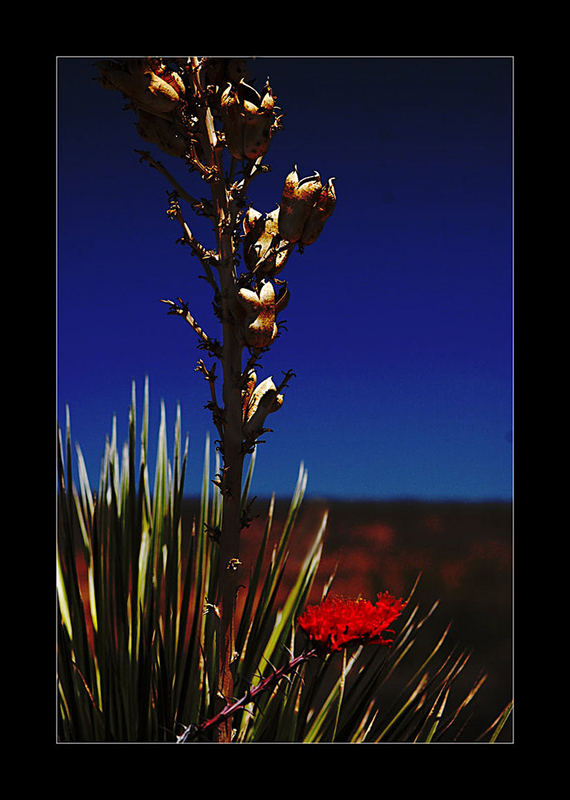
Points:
x=229 y=574
x=187 y=316
x=180 y=190
x=207 y=257
x=224 y=715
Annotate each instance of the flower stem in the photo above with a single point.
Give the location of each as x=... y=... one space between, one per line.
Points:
x=223 y=716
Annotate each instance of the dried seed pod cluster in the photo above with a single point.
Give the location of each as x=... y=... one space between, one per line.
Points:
x=194 y=108
x=299 y=219
x=249 y=119
x=305 y=207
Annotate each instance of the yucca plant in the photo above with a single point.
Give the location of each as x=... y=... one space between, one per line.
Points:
x=163 y=634
x=138 y=628
x=137 y=634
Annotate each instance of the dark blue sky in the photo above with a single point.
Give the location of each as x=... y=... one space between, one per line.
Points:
x=399 y=327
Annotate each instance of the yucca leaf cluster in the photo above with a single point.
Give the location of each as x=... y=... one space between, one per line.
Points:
x=137 y=629
x=136 y=622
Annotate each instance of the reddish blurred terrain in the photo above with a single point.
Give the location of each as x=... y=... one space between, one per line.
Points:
x=463 y=552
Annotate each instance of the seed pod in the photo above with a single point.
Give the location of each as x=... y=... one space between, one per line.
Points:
x=137 y=81
x=250 y=302
x=258 y=125
x=159 y=96
x=320 y=212
x=297 y=200
x=162 y=133
x=264 y=401
x=257 y=136
x=287 y=204
x=172 y=78
x=257 y=121
x=260 y=328
x=261 y=240
x=247 y=119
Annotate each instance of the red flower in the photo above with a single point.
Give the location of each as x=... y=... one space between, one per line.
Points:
x=337 y=622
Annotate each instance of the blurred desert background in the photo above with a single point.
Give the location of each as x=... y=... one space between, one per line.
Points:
x=463 y=552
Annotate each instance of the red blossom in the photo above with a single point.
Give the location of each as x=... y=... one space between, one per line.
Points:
x=338 y=622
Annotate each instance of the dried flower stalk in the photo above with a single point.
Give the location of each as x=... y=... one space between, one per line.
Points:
x=202 y=110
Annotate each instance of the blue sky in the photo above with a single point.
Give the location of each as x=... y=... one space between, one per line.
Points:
x=399 y=327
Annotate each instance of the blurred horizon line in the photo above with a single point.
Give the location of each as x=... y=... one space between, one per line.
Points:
x=394 y=500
